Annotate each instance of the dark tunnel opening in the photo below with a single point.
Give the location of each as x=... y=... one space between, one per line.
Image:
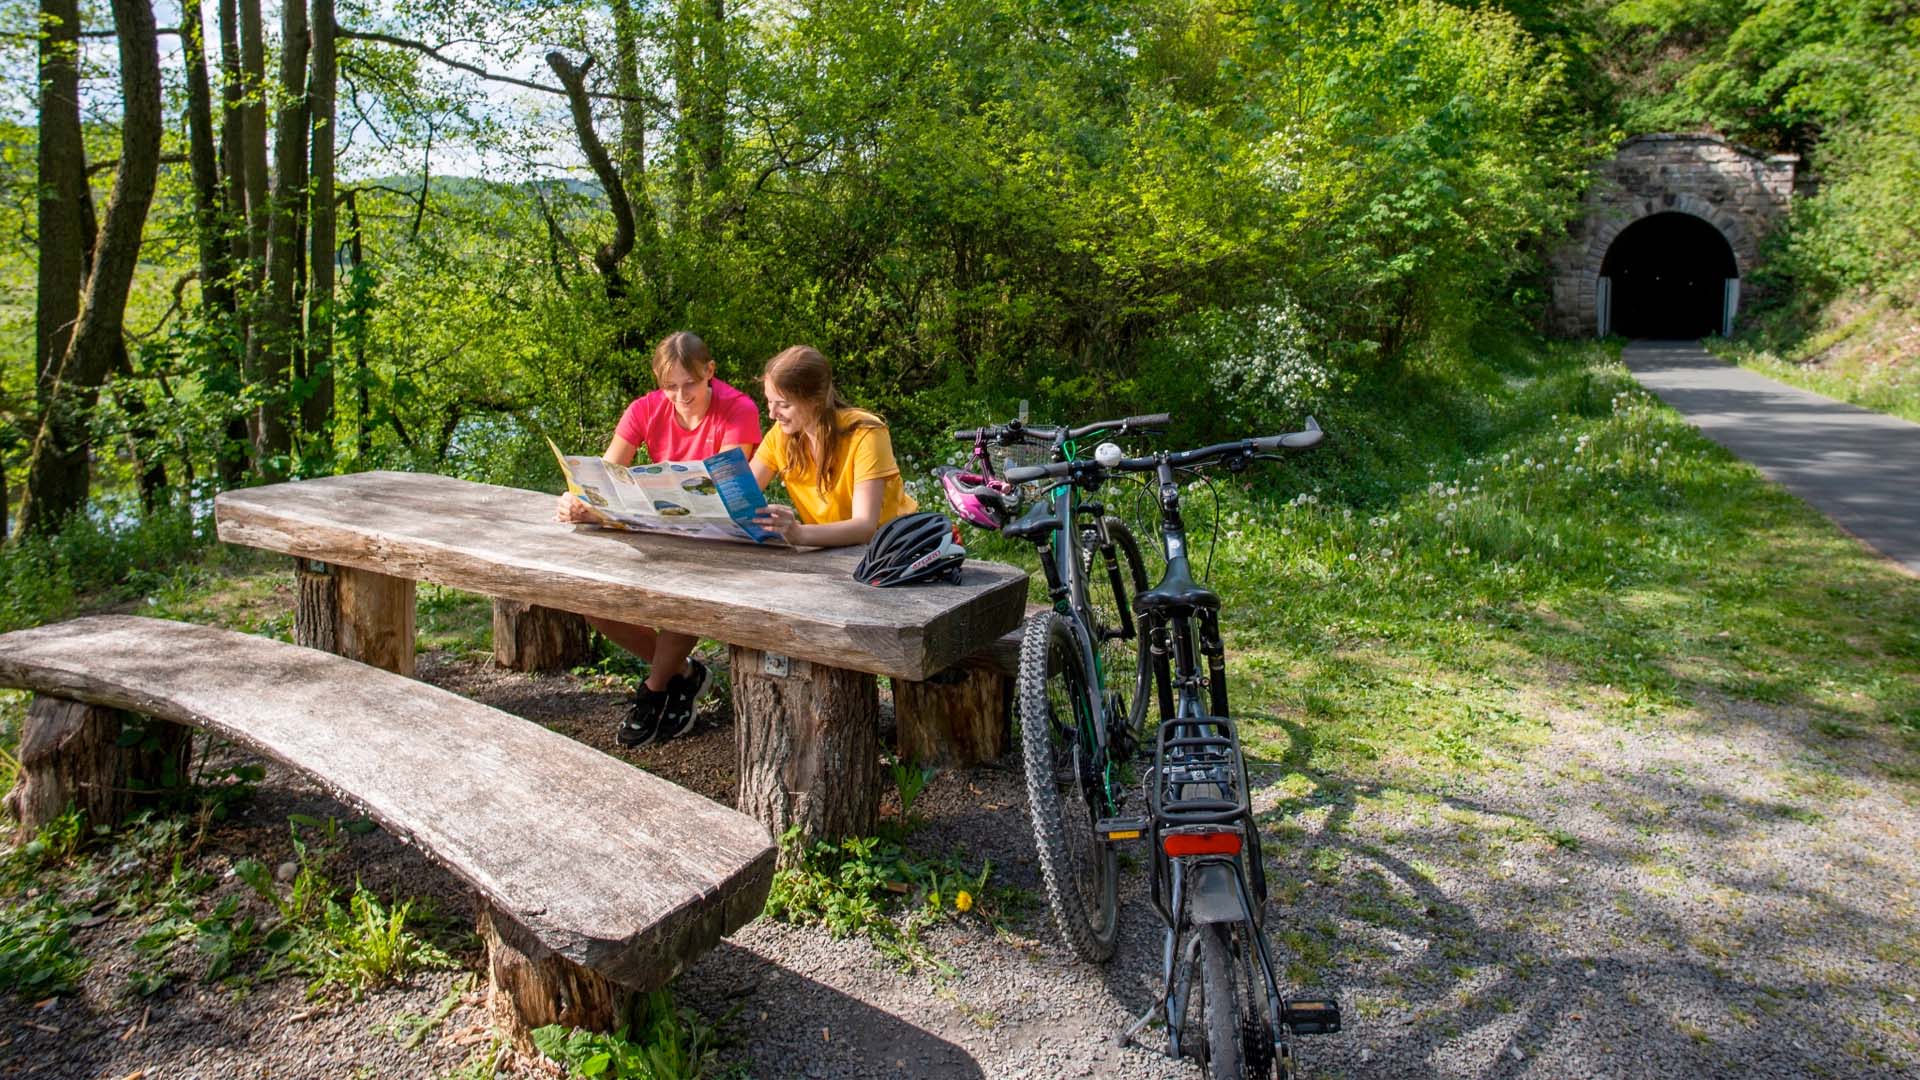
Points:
x=1668 y=273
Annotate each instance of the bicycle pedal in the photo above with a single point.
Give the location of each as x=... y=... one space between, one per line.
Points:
x=1311 y=1016
x=1116 y=830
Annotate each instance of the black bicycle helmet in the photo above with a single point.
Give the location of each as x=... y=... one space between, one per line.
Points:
x=924 y=546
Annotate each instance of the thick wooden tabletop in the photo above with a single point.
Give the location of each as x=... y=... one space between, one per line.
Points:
x=607 y=865
x=504 y=542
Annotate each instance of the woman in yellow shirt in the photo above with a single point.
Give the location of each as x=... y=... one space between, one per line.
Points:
x=837 y=460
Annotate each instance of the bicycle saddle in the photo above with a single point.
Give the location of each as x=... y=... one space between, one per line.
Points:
x=1177 y=592
x=1034 y=525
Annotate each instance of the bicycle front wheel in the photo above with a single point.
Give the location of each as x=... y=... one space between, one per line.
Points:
x=1066 y=786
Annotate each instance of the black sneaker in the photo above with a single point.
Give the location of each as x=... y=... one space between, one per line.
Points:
x=642 y=725
x=677 y=717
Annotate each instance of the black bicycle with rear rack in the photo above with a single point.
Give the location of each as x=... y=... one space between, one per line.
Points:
x=1208 y=878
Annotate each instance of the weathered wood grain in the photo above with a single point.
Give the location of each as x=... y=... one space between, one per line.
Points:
x=582 y=856
x=958 y=717
x=355 y=613
x=529 y=990
x=807 y=743
x=503 y=542
x=528 y=637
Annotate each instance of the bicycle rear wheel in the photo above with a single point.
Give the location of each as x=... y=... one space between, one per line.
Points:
x=1065 y=794
x=1122 y=646
x=1221 y=1005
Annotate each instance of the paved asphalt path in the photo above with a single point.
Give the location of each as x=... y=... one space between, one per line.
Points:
x=1861 y=468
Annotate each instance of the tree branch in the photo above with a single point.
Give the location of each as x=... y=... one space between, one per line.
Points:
x=472 y=69
x=607 y=259
x=109 y=164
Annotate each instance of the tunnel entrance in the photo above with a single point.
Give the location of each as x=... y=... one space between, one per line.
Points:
x=1668 y=275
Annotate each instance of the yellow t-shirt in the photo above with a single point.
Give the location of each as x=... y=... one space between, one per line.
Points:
x=863 y=453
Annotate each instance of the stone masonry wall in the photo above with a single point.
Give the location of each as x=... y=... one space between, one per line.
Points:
x=1738 y=191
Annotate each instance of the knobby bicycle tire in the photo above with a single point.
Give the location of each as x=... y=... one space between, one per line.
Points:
x=1126 y=657
x=1220 y=1001
x=1081 y=873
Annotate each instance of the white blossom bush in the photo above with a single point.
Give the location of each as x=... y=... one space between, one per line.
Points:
x=1260 y=362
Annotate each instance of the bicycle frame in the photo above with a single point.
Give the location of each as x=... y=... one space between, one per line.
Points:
x=1199 y=747
x=1062 y=559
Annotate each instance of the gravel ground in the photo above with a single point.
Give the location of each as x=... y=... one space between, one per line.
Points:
x=1731 y=894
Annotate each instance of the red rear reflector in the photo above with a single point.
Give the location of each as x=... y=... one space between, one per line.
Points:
x=1225 y=842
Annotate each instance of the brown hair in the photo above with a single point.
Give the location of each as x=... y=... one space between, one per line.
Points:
x=682 y=349
x=802 y=374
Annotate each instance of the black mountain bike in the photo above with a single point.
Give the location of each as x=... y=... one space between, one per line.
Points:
x=1208 y=882
x=1081 y=692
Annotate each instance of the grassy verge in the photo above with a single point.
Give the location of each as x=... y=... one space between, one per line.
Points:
x=1866 y=353
x=1580 y=544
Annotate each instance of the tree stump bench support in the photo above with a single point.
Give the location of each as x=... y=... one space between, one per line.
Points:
x=528 y=637
x=964 y=715
x=358 y=614
x=595 y=881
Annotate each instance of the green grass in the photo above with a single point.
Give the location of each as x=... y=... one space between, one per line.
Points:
x=1477 y=546
x=1861 y=355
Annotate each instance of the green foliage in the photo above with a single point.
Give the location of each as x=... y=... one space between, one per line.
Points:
x=363 y=944
x=909 y=780
x=875 y=888
x=963 y=203
x=355 y=946
x=1832 y=80
x=42 y=579
x=669 y=1044
x=36 y=954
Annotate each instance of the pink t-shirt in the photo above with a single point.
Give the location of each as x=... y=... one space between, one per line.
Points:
x=731 y=418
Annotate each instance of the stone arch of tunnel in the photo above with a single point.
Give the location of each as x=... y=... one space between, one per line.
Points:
x=1668 y=275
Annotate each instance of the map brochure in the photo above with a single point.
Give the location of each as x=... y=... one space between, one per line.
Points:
x=713 y=499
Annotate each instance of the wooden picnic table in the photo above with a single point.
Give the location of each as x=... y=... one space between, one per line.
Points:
x=806 y=640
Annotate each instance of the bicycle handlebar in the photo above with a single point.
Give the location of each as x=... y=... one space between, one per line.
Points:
x=1015 y=431
x=1304 y=439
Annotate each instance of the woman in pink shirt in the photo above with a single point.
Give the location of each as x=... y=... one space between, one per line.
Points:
x=692 y=416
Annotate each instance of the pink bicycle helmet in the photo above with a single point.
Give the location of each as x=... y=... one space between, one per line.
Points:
x=985 y=501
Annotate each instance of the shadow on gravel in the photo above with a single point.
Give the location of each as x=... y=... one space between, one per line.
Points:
x=791 y=1024
x=1634 y=951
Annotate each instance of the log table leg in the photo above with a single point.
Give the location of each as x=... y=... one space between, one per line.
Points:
x=958 y=717
x=807 y=738
x=71 y=753
x=528 y=637
x=353 y=613
x=530 y=987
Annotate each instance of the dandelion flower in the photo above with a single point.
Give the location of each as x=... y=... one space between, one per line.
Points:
x=963 y=901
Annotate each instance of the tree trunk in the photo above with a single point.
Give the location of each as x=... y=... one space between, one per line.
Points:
x=807 y=739
x=63 y=438
x=958 y=717
x=353 y=613
x=209 y=209
x=632 y=161
x=61 y=271
x=96 y=759
x=225 y=378
x=275 y=331
x=363 y=423
x=316 y=413
x=266 y=424
x=527 y=637
x=530 y=987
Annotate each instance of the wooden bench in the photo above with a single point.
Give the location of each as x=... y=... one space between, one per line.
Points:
x=806 y=640
x=596 y=880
